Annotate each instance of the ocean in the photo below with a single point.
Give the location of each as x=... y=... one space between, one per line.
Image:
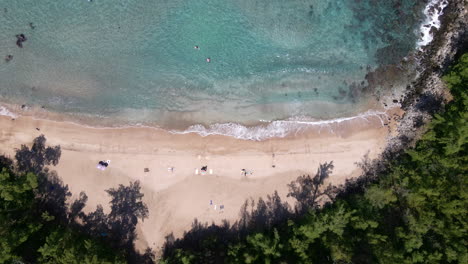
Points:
x=185 y=64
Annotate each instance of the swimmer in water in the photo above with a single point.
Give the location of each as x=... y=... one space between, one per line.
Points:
x=208 y=60
x=196 y=47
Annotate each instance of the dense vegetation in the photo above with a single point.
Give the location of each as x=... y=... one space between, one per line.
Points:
x=38 y=225
x=414 y=212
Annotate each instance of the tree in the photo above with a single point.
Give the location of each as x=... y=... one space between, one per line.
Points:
x=36 y=223
x=126 y=208
x=263 y=247
x=34 y=159
x=306 y=190
x=67 y=247
x=18 y=217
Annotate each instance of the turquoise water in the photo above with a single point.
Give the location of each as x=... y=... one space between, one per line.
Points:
x=135 y=61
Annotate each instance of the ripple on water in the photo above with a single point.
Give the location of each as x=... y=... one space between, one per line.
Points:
x=136 y=59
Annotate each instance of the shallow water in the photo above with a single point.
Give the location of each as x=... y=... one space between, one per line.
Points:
x=270 y=59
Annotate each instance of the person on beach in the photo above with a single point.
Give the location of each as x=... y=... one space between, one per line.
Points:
x=102 y=165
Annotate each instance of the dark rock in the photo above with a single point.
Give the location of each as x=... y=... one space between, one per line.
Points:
x=342 y=92
x=418 y=121
x=8 y=58
x=404 y=139
x=429 y=103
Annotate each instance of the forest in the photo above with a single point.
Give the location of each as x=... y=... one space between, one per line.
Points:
x=413 y=211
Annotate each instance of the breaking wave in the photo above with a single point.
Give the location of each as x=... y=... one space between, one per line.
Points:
x=279 y=128
x=433 y=10
x=6 y=112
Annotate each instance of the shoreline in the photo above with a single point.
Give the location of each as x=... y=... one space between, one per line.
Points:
x=254 y=131
x=176 y=198
x=262 y=130
x=432 y=12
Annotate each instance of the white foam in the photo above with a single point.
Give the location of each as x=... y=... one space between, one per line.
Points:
x=275 y=129
x=267 y=130
x=432 y=12
x=5 y=112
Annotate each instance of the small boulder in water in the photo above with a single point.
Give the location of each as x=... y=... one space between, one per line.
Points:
x=8 y=58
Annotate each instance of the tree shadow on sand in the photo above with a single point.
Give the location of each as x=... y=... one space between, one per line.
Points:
x=259 y=216
x=51 y=194
x=34 y=159
x=210 y=243
x=117 y=229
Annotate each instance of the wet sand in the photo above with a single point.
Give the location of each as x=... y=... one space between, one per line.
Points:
x=175 y=198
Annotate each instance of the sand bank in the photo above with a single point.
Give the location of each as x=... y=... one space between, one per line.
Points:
x=175 y=198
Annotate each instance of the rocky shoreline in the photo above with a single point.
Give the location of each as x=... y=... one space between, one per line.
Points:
x=425 y=96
